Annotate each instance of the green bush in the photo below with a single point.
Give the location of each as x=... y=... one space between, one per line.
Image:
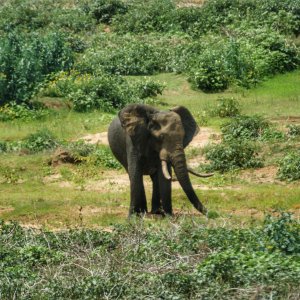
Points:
x=226 y=107
x=233 y=154
x=148 y=88
x=152 y=15
x=105 y=10
x=103 y=156
x=127 y=55
x=244 y=127
x=293 y=130
x=12 y=111
x=26 y=60
x=40 y=141
x=210 y=74
x=289 y=167
x=215 y=261
x=3 y=147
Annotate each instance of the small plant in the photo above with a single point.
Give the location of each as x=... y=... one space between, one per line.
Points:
x=226 y=107
x=289 y=167
x=293 y=130
x=105 y=10
x=13 y=111
x=233 y=155
x=209 y=74
x=102 y=156
x=40 y=141
x=148 y=88
x=245 y=127
x=3 y=147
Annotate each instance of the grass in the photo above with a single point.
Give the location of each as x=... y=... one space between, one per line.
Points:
x=28 y=197
x=64 y=124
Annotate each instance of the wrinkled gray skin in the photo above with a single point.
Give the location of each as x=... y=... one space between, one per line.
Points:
x=141 y=138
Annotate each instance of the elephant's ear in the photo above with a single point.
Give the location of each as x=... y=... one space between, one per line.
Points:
x=190 y=126
x=134 y=117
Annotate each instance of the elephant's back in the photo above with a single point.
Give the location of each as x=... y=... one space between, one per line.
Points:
x=117 y=141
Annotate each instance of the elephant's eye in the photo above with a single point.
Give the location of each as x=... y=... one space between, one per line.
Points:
x=153 y=126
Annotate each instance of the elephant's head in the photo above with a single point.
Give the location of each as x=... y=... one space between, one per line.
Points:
x=169 y=132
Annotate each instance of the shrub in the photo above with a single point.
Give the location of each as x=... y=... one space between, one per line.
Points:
x=289 y=167
x=40 y=141
x=26 y=60
x=102 y=156
x=226 y=107
x=152 y=15
x=12 y=111
x=105 y=10
x=233 y=155
x=148 y=88
x=125 y=56
x=293 y=130
x=210 y=74
x=3 y=147
x=283 y=233
x=244 y=127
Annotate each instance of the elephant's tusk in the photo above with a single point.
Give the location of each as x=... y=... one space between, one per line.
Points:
x=165 y=170
x=199 y=175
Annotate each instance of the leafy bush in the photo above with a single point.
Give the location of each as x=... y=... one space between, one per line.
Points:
x=153 y=15
x=233 y=155
x=3 y=147
x=215 y=262
x=12 y=111
x=289 y=167
x=293 y=130
x=244 y=127
x=100 y=91
x=210 y=74
x=102 y=156
x=26 y=60
x=126 y=55
x=40 y=141
x=283 y=233
x=105 y=10
x=226 y=107
x=148 y=88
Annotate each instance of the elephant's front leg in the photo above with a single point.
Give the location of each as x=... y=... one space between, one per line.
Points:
x=138 y=203
x=165 y=191
x=156 y=200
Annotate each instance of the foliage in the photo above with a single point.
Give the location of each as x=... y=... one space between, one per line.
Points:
x=25 y=60
x=153 y=15
x=100 y=91
x=244 y=127
x=226 y=107
x=233 y=154
x=293 y=130
x=97 y=155
x=40 y=141
x=13 y=111
x=102 y=156
x=127 y=55
x=105 y=10
x=182 y=260
x=289 y=167
x=210 y=74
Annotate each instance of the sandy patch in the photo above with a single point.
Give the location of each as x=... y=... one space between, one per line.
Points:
x=97 y=138
x=6 y=209
x=262 y=175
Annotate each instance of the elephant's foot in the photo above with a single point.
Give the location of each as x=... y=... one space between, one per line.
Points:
x=158 y=211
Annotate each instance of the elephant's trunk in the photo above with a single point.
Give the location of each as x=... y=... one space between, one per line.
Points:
x=178 y=161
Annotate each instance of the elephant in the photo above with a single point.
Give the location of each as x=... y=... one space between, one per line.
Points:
x=148 y=141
